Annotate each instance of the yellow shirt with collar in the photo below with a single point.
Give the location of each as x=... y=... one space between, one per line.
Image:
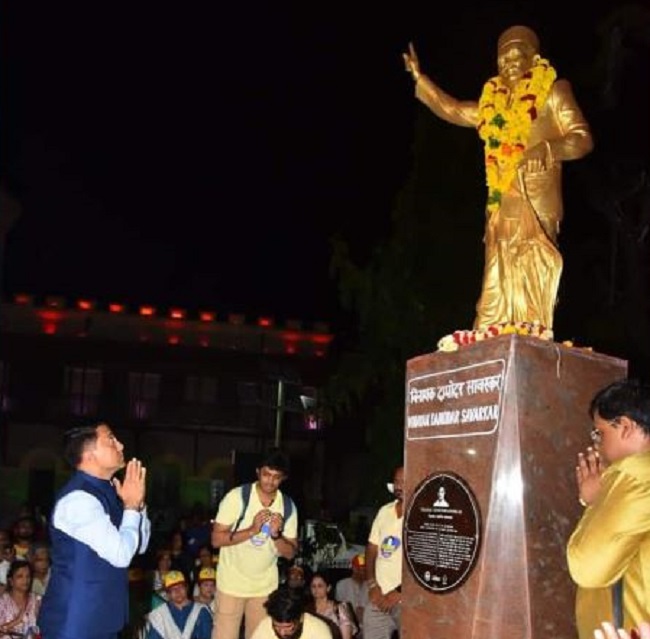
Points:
x=249 y=568
x=612 y=540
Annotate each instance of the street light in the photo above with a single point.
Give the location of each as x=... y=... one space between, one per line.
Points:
x=308 y=400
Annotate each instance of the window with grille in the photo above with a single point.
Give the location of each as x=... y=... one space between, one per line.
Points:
x=144 y=392
x=83 y=389
x=201 y=390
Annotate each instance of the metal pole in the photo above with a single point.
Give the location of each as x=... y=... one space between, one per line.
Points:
x=279 y=413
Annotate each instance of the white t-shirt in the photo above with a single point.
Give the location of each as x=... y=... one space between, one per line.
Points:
x=353 y=592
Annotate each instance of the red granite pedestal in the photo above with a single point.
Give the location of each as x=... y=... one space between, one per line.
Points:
x=498 y=426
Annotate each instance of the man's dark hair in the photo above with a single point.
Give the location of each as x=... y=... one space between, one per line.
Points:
x=284 y=606
x=625 y=398
x=76 y=440
x=275 y=459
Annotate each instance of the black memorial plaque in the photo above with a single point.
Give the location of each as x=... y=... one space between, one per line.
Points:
x=442 y=532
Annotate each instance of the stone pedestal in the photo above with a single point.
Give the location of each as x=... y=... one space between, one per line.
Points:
x=498 y=426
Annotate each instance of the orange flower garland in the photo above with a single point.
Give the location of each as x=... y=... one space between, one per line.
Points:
x=463 y=338
x=505 y=121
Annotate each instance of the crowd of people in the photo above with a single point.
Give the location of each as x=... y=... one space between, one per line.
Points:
x=221 y=579
x=70 y=577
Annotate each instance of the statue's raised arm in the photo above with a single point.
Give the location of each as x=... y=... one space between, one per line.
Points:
x=530 y=123
x=462 y=113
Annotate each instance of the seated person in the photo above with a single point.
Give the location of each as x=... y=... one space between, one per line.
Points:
x=24 y=531
x=18 y=605
x=163 y=566
x=340 y=616
x=286 y=618
x=7 y=555
x=207 y=585
x=354 y=589
x=296 y=581
x=179 y=616
x=204 y=559
x=40 y=560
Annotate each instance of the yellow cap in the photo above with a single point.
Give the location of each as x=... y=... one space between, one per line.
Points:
x=207 y=574
x=173 y=578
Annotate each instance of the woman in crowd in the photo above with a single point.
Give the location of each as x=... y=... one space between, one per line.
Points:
x=204 y=559
x=338 y=614
x=163 y=566
x=18 y=605
x=181 y=559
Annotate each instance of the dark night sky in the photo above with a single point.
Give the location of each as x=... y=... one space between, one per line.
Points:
x=204 y=156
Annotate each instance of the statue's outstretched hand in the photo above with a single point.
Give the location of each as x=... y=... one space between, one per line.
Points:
x=411 y=62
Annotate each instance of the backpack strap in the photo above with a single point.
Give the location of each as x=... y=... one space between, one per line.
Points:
x=245 y=491
x=287 y=503
x=288 y=507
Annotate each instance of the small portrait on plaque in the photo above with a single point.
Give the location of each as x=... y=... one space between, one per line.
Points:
x=441 y=501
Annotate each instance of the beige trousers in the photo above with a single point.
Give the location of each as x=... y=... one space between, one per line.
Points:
x=229 y=611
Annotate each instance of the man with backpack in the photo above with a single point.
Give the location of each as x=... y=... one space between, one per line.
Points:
x=255 y=524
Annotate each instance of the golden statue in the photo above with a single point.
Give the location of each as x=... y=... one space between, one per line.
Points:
x=530 y=123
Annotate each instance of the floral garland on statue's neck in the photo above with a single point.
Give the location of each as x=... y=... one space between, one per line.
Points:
x=505 y=119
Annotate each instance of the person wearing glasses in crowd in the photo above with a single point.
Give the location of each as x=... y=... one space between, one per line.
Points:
x=609 y=551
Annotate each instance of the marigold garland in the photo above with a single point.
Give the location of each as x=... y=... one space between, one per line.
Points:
x=455 y=340
x=505 y=118
x=463 y=338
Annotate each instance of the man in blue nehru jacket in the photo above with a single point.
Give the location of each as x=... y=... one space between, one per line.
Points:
x=97 y=526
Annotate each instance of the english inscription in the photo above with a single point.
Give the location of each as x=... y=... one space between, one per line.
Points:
x=442 y=532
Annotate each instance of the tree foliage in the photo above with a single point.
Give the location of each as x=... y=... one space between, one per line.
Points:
x=418 y=284
x=422 y=281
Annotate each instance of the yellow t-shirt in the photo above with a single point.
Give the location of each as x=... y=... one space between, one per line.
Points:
x=249 y=569
x=313 y=628
x=612 y=540
x=386 y=534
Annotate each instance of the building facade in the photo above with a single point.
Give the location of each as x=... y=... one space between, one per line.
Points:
x=196 y=396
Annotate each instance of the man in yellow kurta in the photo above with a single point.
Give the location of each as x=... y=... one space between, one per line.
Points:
x=611 y=543
x=530 y=123
x=250 y=544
